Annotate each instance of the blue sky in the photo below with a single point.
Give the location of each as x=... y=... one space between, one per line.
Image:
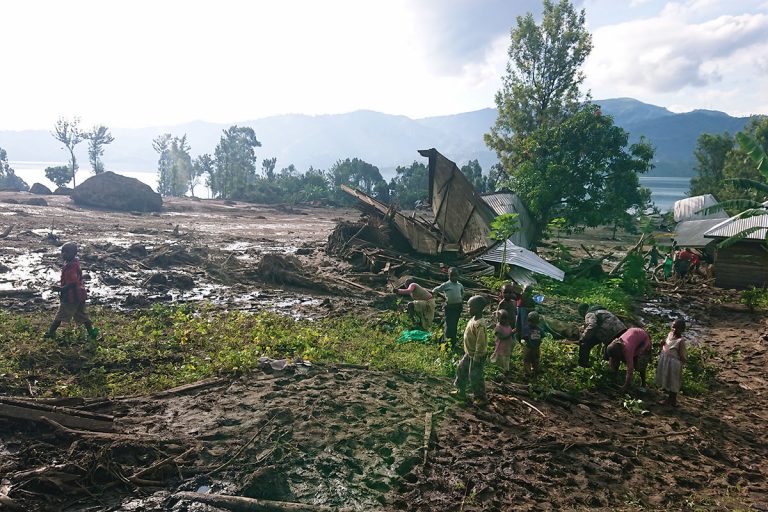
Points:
x=146 y=63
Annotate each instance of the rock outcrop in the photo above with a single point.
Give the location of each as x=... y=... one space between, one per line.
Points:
x=115 y=192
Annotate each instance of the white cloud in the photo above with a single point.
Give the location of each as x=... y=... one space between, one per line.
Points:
x=670 y=55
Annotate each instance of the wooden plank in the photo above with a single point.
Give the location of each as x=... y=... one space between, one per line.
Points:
x=194 y=386
x=37 y=415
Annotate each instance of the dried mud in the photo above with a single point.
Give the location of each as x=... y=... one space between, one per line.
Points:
x=355 y=439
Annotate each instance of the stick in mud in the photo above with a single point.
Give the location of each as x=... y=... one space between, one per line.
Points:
x=427 y=434
x=242 y=504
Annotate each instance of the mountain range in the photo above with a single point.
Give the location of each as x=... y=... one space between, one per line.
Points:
x=382 y=139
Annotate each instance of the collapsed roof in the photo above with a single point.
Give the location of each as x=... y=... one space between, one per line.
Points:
x=462 y=218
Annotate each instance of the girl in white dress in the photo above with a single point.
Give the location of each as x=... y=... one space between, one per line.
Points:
x=669 y=372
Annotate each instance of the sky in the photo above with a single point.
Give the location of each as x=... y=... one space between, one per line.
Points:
x=143 y=63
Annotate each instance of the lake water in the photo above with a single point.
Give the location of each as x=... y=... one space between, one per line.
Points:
x=665 y=190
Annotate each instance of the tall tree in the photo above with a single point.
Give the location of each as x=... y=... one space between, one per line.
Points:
x=68 y=133
x=8 y=178
x=359 y=174
x=98 y=137
x=541 y=86
x=202 y=166
x=710 y=153
x=268 y=168
x=580 y=170
x=235 y=162
x=474 y=174
x=410 y=184
x=174 y=166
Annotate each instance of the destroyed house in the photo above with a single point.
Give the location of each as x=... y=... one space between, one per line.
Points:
x=460 y=225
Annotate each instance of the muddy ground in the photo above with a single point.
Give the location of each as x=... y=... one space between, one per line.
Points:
x=353 y=438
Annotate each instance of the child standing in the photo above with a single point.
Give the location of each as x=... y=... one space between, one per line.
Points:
x=669 y=371
x=471 y=366
x=72 y=293
x=532 y=350
x=504 y=332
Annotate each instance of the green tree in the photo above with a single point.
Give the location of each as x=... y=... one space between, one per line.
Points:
x=502 y=229
x=711 y=153
x=235 y=163
x=757 y=156
x=541 y=85
x=97 y=139
x=741 y=172
x=68 y=133
x=268 y=168
x=8 y=178
x=474 y=174
x=580 y=170
x=359 y=174
x=59 y=174
x=174 y=166
x=410 y=184
x=202 y=166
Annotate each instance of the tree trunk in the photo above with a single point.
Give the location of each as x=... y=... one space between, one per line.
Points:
x=72 y=152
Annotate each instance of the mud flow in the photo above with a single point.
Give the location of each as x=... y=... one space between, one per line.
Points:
x=301 y=436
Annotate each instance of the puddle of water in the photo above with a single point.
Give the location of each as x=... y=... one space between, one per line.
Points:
x=27 y=271
x=44 y=232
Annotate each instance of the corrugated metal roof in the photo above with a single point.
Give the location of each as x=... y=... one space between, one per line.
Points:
x=735 y=225
x=686 y=209
x=690 y=233
x=507 y=202
x=521 y=257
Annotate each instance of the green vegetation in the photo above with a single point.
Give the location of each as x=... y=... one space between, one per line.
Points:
x=68 y=133
x=732 y=171
x=755 y=299
x=561 y=155
x=8 y=178
x=171 y=345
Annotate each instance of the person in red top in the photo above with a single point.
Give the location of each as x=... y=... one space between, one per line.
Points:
x=72 y=292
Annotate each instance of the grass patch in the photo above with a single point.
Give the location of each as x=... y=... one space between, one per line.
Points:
x=170 y=345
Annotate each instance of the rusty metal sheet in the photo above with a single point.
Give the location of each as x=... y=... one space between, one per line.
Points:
x=460 y=212
x=421 y=238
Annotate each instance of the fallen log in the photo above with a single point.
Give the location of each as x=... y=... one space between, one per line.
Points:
x=109 y=436
x=242 y=504
x=193 y=386
x=19 y=409
x=638 y=247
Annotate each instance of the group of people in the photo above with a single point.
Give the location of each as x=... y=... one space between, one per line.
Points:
x=680 y=263
x=516 y=319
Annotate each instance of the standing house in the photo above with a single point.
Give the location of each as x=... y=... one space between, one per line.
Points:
x=745 y=263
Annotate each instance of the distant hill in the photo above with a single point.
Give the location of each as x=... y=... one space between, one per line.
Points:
x=381 y=139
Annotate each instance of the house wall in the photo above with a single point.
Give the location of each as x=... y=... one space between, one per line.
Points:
x=742 y=265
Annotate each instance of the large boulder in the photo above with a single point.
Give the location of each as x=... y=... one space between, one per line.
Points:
x=115 y=192
x=63 y=191
x=39 y=188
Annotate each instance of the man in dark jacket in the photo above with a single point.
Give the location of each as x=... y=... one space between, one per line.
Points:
x=600 y=327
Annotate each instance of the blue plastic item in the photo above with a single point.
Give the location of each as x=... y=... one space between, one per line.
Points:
x=538 y=298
